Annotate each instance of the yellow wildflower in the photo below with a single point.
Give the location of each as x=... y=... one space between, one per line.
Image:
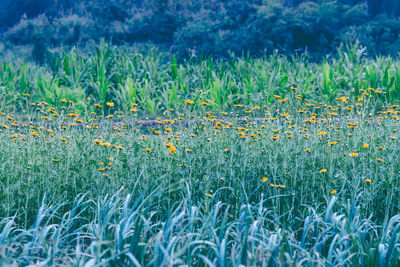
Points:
x=172 y=149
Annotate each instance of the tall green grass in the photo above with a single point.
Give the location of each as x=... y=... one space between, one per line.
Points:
x=125 y=233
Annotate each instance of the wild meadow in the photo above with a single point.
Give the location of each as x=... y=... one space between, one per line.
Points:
x=118 y=158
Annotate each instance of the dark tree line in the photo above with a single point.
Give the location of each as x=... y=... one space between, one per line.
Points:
x=206 y=26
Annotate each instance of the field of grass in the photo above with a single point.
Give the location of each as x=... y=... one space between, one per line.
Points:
x=117 y=158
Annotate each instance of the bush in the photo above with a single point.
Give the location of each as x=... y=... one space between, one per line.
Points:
x=64 y=30
x=215 y=28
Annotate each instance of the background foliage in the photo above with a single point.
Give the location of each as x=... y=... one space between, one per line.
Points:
x=202 y=27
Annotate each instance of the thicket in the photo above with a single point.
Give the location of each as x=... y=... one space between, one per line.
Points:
x=217 y=28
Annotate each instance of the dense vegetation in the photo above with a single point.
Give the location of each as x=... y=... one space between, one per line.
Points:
x=205 y=27
x=116 y=158
x=157 y=82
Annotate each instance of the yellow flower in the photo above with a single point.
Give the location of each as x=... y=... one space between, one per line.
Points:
x=188 y=150
x=264 y=179
x=110 y=104
x=55 y=160
x=188 y=102
x=63 y=139
x=354 y=154
x=365 y=145
x=380 y=160
x=172 y=149
x=97 y=105
x=205 y=103
x=307 y=149
x=209 y=195
x=148 y=149
x=256 y=107
x=226 y=150
x=343 y=99
x=274 y=137
x=368 y=180
x=322 y=133
x=323 y=170
x=64 y=100
x=333 y=192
